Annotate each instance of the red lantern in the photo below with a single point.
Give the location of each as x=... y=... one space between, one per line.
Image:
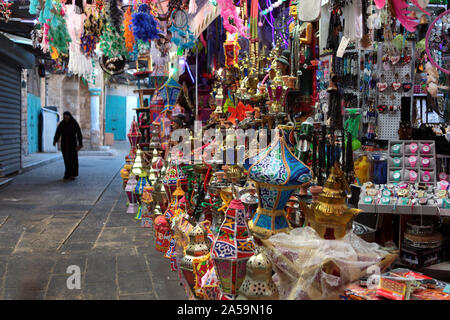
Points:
x=162 y=234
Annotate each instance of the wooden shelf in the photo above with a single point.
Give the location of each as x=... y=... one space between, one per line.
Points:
x=145 y=91
x=141 y=109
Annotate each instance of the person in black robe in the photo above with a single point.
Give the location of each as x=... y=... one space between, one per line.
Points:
x=71 y=142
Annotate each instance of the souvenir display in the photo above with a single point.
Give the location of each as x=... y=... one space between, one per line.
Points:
x=276 y=146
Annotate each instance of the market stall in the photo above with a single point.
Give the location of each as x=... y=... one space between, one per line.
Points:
x=280 y=150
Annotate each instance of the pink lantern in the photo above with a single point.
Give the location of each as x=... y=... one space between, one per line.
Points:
x=134 y=135
x=232 y=248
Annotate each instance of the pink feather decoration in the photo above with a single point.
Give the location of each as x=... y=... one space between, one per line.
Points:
x=401 y=13
x=231 y=20
x=380 y=3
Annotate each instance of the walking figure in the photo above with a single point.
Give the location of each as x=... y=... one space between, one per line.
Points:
x=71 y=142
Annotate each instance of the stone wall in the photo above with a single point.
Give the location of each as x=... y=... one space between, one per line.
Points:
x=70 y=93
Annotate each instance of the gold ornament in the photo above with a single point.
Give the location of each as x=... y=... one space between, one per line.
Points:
x=258 y=283
x=330 y=215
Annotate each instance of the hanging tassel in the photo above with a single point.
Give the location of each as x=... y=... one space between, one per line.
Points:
x=192 y=7
x=33 y=6
x=128 y=32
x=116 y=14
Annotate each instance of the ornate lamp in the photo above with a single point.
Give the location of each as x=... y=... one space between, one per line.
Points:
x=162 y=233
x=142 y=181
x=147 y=199
x=129 y=189
x=174 y=174
x=169 y=92
x=277 y=173
x=258 y=283
x=124 y=172
x=231 y=249
x=277 y=97
x=329 y=215
x=196 y=251
x=134 y=135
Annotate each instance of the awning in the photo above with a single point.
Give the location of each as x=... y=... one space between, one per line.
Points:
x=15 y=53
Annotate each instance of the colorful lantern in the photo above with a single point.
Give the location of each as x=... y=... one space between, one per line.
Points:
x=169 y=92
x=196 y=251
x=277 y=173
x=232 y=249
x=129 y=189
x=162 y=234
x=124 y=174
x=134 y=135
x=258 y=283
x=174 y=174
x=147 y=199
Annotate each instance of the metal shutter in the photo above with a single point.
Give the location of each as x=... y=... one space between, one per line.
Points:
x=10 y=109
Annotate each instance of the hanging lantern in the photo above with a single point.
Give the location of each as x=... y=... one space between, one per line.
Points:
x=174 y=174
x=162 y=234
x=169 y=92
x=277 y=173
x=129 y=189
x=147 y=199
x=134 y=135
x=232 y=248
x=250 y=199
x=197 y=251
x=258 y=283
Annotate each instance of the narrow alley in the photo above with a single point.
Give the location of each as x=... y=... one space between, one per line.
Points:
x=48 y=224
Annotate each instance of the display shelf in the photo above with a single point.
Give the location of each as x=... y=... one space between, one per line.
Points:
x=403 y=210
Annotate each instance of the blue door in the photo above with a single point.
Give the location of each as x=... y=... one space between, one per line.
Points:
x=33 y=112
x=116 y=116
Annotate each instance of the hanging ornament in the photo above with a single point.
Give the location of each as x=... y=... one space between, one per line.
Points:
x=144 y=24
x=115 y=15
x=58 y=36
x=258 y=283
x=5 y=11
x=128 y=32
x=231 y=20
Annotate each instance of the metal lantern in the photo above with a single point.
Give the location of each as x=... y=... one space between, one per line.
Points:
x=174 y=174
x=162 y=234
x=169 y=92
x=134 y=135
x=250 y=199
x=129 y=189
x=277 y=173
x=197 y=249
x=147 y=199
x=258 y=283
x=232 y=248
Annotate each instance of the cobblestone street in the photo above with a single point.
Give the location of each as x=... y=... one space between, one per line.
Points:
x=48 y=224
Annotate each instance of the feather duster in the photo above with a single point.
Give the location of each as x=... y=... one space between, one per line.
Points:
x=115 y=14
x=231 y=20
x=145 y=27
x=128 y=32
x=33 y=6
x=46 y=12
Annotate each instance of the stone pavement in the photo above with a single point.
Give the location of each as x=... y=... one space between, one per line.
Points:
x=48 y=224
